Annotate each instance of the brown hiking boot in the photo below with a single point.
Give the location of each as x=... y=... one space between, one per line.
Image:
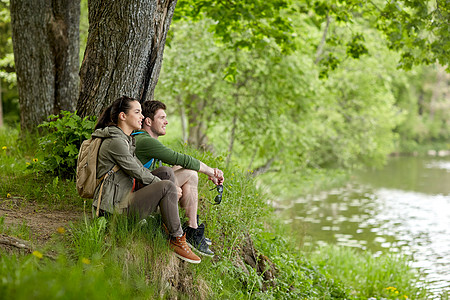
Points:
x=182 y=249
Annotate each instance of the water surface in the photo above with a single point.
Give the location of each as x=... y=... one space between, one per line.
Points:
x=405 y=207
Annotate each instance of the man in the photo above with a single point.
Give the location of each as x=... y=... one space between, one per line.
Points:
x=150 y=152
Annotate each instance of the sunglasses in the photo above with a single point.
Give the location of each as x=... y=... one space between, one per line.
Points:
x=218 y=197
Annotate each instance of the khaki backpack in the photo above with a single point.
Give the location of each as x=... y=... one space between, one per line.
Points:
x=87 y=170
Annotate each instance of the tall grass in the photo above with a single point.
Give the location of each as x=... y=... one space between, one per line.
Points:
x=389 y=276
x=121 y=258
x=31 y=277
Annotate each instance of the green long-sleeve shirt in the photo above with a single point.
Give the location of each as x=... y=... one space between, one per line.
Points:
x=148 y=148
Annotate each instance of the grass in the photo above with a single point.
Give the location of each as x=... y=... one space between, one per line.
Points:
x=119 y=258
x=22 y=231
x=389 y=276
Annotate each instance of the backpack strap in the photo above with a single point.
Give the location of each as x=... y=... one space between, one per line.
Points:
x=113 y=170
x=137 y=132
x=149 y=163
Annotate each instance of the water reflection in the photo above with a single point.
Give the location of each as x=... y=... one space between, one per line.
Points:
x=403 y=208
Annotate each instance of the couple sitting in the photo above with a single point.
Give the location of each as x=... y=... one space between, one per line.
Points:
x=131 y=141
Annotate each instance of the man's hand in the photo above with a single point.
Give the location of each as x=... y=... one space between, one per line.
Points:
x=214 y=174
x=217 y=178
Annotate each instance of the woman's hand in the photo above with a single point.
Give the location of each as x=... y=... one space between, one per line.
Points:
x=179 y=192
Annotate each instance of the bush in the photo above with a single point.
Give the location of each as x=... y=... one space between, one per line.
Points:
x=61 y=142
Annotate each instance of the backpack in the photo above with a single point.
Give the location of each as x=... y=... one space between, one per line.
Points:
x=87 y=168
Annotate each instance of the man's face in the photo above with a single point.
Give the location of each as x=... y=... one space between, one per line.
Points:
x=159 y=123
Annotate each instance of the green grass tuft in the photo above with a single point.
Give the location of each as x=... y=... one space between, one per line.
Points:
x=389 y=276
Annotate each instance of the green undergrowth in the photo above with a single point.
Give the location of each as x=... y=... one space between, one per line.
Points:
x=122 y=258
x=389 y=276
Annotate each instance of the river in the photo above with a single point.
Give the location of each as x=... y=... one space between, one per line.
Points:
x=404 y=208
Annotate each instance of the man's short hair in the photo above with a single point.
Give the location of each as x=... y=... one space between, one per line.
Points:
x=149 y=108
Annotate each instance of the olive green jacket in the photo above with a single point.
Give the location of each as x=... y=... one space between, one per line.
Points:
x=118 y=148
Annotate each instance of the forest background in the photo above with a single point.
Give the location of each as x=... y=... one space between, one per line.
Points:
x=293 y=88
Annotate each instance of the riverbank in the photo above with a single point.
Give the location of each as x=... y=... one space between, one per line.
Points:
x=401 y=208
x=257 y=256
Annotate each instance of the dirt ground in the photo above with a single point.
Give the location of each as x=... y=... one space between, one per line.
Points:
x=41 y=221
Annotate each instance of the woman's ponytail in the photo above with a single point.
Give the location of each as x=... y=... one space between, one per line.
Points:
x=105 y=119
x=110 y=115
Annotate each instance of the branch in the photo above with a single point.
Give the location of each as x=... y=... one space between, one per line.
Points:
x=371 y=2
x=322 y=42
x=10 y=242
x=264 y=168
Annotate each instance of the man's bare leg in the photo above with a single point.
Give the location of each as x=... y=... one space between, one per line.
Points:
x=187 y=180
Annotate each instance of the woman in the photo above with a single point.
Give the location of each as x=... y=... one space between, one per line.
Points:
x=115 y=126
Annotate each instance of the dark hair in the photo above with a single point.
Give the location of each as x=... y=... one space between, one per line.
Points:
x=149 y=108
x=110 y=115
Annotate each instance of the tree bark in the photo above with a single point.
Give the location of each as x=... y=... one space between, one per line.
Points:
x=124 y=51
x=45 y=35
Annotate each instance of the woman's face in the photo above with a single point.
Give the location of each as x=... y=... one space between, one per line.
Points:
x=133 y=118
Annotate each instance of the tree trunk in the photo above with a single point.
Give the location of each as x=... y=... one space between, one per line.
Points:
x=45 y=36
x=124 y=51
x=232 y=136
x=182 y=118
x=197 y=127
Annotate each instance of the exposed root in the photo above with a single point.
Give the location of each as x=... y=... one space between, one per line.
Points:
x=14 y=245
x=261 y=263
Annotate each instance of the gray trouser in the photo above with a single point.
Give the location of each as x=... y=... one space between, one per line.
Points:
x=164 y=194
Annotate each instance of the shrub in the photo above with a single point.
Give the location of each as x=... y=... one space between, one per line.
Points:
x=61 y=142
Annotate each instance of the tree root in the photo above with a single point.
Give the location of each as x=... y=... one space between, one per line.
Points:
x=13 y=244
x=258 y=261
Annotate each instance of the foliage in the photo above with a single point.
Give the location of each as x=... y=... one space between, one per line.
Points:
x=243 y=24
x=6 y=49
x=417 y=30
x=8 y=79
x=387 y=276
x=356 y=127
x=84 y=27
x=274 y=111
x=62 y=140
x=421 y=96
x=255 y=90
